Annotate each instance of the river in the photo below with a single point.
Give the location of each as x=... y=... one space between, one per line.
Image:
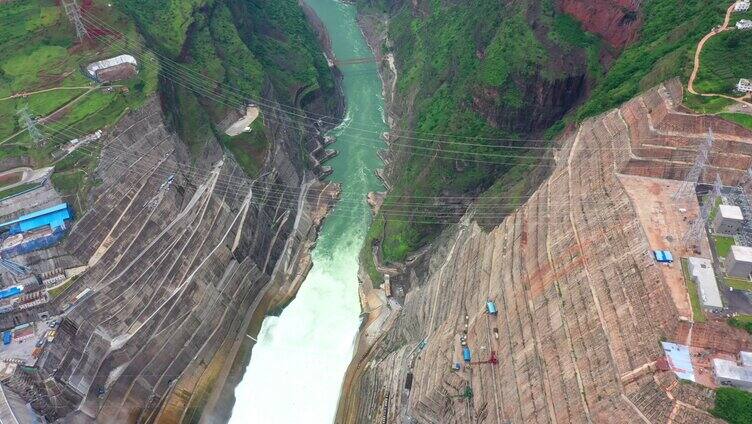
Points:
x=297 y=366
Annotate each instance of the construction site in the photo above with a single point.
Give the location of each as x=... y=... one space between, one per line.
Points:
x=581 y=306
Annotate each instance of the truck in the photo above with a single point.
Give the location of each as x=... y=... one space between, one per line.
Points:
x=466 y=354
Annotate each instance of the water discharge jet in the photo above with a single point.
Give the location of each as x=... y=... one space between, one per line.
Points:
x=297 y=366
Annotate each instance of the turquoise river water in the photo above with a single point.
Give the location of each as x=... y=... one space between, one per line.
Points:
x=297 y=366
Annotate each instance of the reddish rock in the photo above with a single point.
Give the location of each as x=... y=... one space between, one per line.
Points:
x=616 y=21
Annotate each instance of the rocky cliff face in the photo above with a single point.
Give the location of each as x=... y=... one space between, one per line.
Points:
x=548 y=100
x=616 y=21
x=581 y=304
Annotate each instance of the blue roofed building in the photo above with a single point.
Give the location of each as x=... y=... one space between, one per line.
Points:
x=663 y=256
x=53 y=217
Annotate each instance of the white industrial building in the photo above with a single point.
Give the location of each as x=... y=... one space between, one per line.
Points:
x=741 y=6
x=730 y=374
x=703 y=275
x=113 y=69
x=744 y=85
x=728 y=220
x=744 y=24
x=739 y=261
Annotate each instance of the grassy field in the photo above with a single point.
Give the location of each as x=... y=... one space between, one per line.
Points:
x=17 y=189
x=738 y=283
x=742 y=321
x=703 y=104
x=38 y=55
x=697 y=313
x=57 y=291
x=739 y=118
x=723 y=245
x=249 y=148
x=733 y=405
x=725 y=58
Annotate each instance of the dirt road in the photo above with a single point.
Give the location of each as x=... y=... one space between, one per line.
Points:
x=698 y=52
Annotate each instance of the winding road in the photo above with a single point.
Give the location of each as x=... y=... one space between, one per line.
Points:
x=698 y=52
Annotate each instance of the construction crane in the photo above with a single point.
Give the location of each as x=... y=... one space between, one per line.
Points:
x=493 y=360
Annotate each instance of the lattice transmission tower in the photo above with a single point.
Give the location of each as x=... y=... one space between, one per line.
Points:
x=693 y=236
x=693 y=176
x=30 y=123
x=74 y=15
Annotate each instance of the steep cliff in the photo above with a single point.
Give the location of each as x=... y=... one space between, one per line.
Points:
x=582 y=306
x=616 y=21
x=187 y=236
x=470 y=79
x=178 y=258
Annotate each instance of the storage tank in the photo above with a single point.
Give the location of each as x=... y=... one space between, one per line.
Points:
x=466 y=353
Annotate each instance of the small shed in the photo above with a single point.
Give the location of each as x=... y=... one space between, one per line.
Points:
x=728 y=220
x=739 y=261
x=744 y=24
x=663 y=256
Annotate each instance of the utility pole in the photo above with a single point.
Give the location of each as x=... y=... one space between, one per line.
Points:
x=74 y=15
x=693 y=176
x=31 y=125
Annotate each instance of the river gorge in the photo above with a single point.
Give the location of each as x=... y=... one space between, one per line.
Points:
x=297 y=366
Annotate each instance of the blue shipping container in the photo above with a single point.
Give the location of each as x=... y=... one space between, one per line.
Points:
x=7 y=337
x=466 y=353
x=663 y=256
x=491 y=307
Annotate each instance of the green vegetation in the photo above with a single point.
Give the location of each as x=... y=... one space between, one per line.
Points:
x=733 y=405
x=469 y=71
x=725 y=58
x=723 y=245
x=704 y=104
x=742 y=321
x=165 y=22
x=16 y=190
x=664 y=49
x=38 y=56
x=58 y=290
x=697 y=313
x=739 y=118
x=248 y=148
x=738 y=283
x=237 y=46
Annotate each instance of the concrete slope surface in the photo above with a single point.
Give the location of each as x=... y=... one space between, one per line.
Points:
x=582 y=306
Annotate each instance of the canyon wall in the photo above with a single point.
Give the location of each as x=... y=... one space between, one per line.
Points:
x=178 y=258
x=616 y=21
x=582 y=306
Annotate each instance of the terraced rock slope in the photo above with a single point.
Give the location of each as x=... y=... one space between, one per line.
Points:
x=179 y=256
x=582 y=305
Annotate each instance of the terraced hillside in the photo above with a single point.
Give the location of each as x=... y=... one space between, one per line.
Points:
x=582 y=305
